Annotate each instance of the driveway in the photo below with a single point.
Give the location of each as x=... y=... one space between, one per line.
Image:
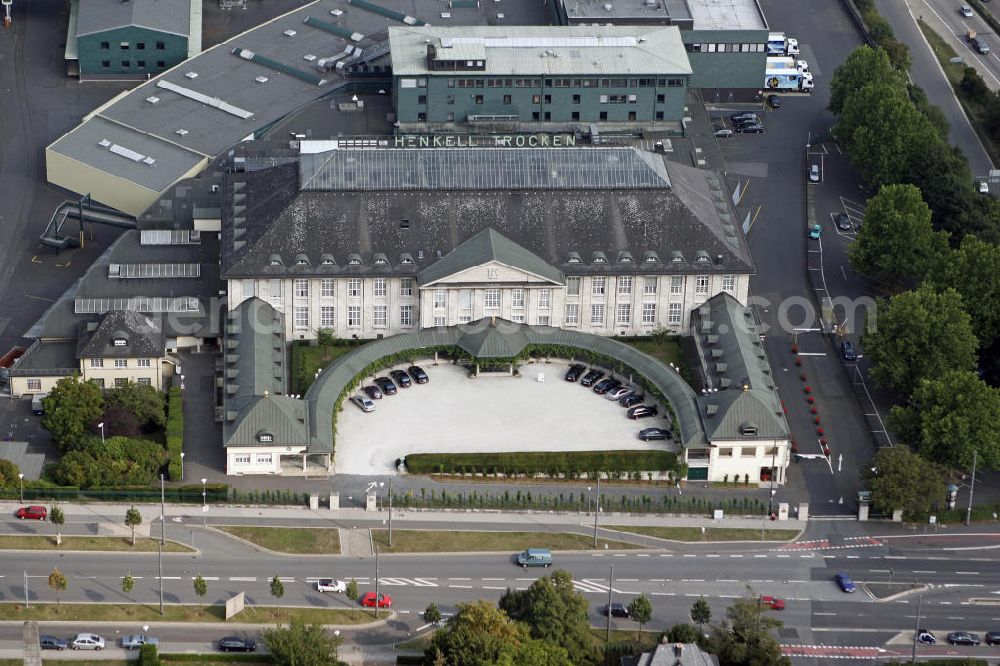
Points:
x=454 y=413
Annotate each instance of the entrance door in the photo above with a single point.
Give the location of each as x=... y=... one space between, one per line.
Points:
x=697 y=474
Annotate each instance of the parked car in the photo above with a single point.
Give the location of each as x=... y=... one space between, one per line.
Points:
x=616 y=610
x=642 y=411
x=813 y=173
x=574 y=372
x=618 y=393
x=330 y=585
x=844 y=581
x=746 y=116
x=87 y=642
x=631 y=399
x=363 y=403
x=591 y=377
x=753 y=128
x=926 y=637
x=843 y=222
x=32 y=513
x=847 y=351
x=370 y=599
x=373 y=392
x=815 y=231
x=401 y=378
x=964 y=638
x=384 y=383
x=605 y=385
x=992 y=637
x=724 y=133
x=984 y=187
x=52 y=643
x=418 y=374
x=651 y=434
x=772 y=602
x=966 y=11
x=136 y=641
x=237 y=644
x=774 y=101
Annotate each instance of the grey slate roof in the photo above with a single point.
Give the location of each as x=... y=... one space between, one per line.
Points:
x=143 y=337
x=674 y=654
x=488 y=246
x=50 y=358
x=734 y=362
x=542 y=50
x=689 y=227
x=493 y=342
x=170 y=16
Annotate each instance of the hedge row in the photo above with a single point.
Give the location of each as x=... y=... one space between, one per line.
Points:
x=175 y=432
x=571 y=463
x=215 y=492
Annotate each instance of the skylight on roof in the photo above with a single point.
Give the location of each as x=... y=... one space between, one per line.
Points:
x=214 y=102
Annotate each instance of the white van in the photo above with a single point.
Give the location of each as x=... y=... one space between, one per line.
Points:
x=36 y=403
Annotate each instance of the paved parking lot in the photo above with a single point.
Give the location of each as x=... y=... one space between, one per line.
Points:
x=455 y=413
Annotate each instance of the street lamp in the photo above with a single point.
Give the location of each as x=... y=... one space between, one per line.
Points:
x=590 y=498
x=20 y=478
x=182 y=465
x=204 y=504
x=101 y=426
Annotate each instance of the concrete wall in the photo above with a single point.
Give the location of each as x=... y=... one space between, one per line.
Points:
x=132 y=52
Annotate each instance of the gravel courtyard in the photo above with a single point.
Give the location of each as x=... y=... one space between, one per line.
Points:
x=493 y=412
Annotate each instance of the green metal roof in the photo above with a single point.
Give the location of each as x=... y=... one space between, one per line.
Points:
x=486 y=246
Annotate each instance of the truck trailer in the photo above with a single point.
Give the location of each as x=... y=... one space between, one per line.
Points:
x=779 y=45
x=787 y=80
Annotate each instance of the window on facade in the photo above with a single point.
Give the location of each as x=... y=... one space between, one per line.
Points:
x=649 y=313
x=327 y=316
x=478 y=99
x=674 y=314
x=105 y=46
x=125 y=46
x=126 y=64
x=421 y=99
x=544 y=298
x=241 y=459
x=106 y=64
x=143 y=362
x=161 y=64
x=603 y=115
x=572 y=314
x=406 y=316
x=625 y=285
x=144 y=381
x=97 y=382
x=440 y=298
x=465 y=299
x=354 y=287
x=121 y=382
x=301 y=289
x=517 y=317
x=264 y=459
x=597 y=314
x=34 y=384
x=676 y=284
x=121 y=362
x=378 y=289
x=327 y=287
x=274 y=290
x=543 y=320
x=517 y=298
x=572 y=286
x=97 y=362
x=598 y=285
x=728 y=283
x=440 y=320
x=623 y=313
x=380 y=316
x=354 y=316
x=140 y=46
x=301 y=318
x=649 y=284
x=406 y=287
x=701 y=284
x=491 y=299
x=141 y=64
x=160 y=46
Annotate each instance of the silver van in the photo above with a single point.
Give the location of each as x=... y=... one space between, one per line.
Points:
x=36 y=403
x=535 y=557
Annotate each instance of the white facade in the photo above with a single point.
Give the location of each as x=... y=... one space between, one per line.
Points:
x=732 y=460
x=111 y=372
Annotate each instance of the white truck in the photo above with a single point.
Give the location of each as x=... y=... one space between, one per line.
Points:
x=787 y=80
x=779 y=45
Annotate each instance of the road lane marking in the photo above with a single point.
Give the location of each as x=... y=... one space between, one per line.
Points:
x=759 y=556
x=690 y=555
x=726 y=580
x=243 y=579
x=966 y=573
x=471 y=579
x=713 y=555
x=921 y=571
x=493 y=587
x=824 y=613
x=728 y=596
x=627 y=580
x=494 y=579
x=735 y=556
x=460 y=587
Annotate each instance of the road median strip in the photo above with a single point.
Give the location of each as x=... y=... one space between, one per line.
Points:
x=668 y=533
x=144 y=612
x=122 y=544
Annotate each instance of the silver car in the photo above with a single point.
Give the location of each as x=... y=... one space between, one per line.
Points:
x=363 y=403
x=87 y=642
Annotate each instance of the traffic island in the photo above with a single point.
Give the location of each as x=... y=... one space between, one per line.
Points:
x=891 y=591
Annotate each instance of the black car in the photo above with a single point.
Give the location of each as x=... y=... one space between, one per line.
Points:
x=963 y=638
x=591 y=377
x=52 y=643
x=605 y=385
x=631 y=400
x=386 y=385
x=745 y=117
x=574 y=372
x=993 y=637
x=401 y=378
x=847 y=351
x=616 y=610
x=642 y=411
x=843 y=222
x=752 y=128
x=418 y=374
x=237 y=644
x=373 y=392
x=652 y=434
x=773 y=101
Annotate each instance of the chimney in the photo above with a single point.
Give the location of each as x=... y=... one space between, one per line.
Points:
x=679 y=650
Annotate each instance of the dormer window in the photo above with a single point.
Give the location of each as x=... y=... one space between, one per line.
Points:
x=651 y=258
x=748 y=429
x=574 y=258
x=380 y=260
x=275 y=260
x=327 y=260
x=625 y=258
x=354 y=260
x=404 y=224
x=120 y=342
x=599 y=258
x=265 y=437
x=676 y=257
x=406 y=259
x=702 y=257
x=301 y=260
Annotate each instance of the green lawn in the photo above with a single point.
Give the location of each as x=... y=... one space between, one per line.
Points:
x=443 y=541
x=711 y=533
x=306 y=361
x=295 y=540
x=38 y=542
x=118 y=612
x=666 y=349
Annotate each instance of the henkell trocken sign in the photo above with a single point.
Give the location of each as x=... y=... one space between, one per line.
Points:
x=485 y=141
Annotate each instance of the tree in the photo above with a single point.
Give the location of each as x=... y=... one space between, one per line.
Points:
x=132 y=519
x=701 y=612
x=301 y=644
x=974 y=87
x=119 y=422
x=536 y=653
x=640 y=609
x=432 y=614
x=744 y=639
x=277 y=589
x=950 y=417
x=684 y=633
x=56 y=516
x=973 y=270
x=903 y=480
x=477 y=635
x=919 y=334
x=200 y=587
x=71 y=407
x=554 y=611
x=864 y=65
x=8 y=474
x=144 y=403
x=58 y=583
x=897 y=241
x=352 y=592
x=127 y=584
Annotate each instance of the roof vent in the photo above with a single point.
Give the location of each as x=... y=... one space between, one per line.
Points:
x=711 y=409
x=309 y=57
x=420 y=255
x=191 y=75
x=404 y=224
x=437 y=253
x=181 y=132
x=289 y=33
x=608 y=7
x=152 y=99
x=260 y=79
x=718 y=260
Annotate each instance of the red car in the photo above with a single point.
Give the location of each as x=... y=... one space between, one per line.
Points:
x=32 y=513
x=368 y=601
x=772 y=603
